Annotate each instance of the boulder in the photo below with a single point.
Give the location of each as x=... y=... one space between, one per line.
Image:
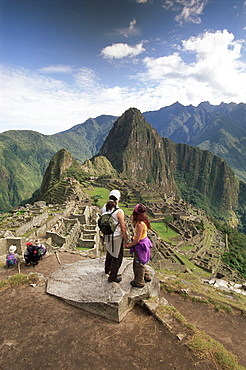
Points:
x=85 y=285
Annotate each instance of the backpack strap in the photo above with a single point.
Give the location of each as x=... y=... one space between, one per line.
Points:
x=117 y=222
x=114 y=210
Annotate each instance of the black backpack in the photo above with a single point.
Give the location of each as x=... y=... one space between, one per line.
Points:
x=106 y=223
x=34 y=254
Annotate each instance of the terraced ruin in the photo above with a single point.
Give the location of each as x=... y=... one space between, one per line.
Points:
x=72 y=226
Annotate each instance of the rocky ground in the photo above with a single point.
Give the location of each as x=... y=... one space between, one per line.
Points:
x=39 y=331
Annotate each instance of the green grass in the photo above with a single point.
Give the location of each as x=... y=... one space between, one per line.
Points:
x=187 y=248
x=103 y=194
x=208 y=347
x=203 y=293
x=18 y=280
x=193 y=267
x=15 y=280
x=163 y=232
x=83 y=248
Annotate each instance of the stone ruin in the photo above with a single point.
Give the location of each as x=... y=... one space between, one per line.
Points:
x=73 y=225
x=63 y=226
x=82 y=284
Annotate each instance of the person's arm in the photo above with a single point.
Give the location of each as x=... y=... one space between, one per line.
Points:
x=120 y=216
x=138 y=233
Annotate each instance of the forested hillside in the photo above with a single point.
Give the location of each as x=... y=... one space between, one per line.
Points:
x=25 y=155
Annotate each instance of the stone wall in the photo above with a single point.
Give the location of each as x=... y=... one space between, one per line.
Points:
x=90 y=237
x=56 y=239
x=3 y=246
x=34 y=222
x=196 y=240
x=73 y=235
x=82 y=213
x=5 y=243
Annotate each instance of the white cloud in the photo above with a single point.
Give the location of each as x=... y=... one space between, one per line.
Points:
x=217 y=71
x=189 y=10
x=83 y=77
x=163 y=67
x=119 y=51
x=48 y=105
x=141 y=1
x=36 y=102
x=58 y=68
x=86 y=78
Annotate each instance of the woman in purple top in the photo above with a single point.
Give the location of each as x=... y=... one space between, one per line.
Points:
x=140 y=246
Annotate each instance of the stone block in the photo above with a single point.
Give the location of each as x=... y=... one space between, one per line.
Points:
x=84 y=284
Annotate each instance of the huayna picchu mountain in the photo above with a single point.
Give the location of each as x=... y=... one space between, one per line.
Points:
x=137 y=152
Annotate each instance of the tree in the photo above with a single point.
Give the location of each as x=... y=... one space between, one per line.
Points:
x=96 y=198
x=167 y=220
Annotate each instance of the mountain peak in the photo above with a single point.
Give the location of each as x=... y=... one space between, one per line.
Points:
x=136 y=151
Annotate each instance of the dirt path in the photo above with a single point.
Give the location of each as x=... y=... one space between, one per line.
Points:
x=228 y=329
x=39 y=331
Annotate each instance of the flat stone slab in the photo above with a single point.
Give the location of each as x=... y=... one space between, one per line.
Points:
x=84 y=284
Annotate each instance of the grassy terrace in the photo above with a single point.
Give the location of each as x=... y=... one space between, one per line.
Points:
x=102 y=194
x=165 y=233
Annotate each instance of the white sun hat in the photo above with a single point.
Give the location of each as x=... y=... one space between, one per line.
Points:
x=12 y=249
x=115 y=193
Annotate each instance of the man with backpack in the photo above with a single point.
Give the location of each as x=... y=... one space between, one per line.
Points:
x=115 y=235
x=32 y=254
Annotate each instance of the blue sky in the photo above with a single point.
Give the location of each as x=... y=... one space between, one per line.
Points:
x=64 y=61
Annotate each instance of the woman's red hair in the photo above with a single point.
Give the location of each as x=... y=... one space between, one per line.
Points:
x=137 y=217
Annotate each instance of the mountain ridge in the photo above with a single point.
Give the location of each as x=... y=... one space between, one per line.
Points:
x=220 y=129
x=25 y=155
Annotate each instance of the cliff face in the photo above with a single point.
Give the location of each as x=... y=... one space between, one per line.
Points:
x=137 y=152
x=203 y=178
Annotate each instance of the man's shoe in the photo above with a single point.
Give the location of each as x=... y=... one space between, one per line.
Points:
x=135 y=285
x=116 y=280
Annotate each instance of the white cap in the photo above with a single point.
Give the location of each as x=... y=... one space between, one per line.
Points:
x=12 y=249
x=115 y=193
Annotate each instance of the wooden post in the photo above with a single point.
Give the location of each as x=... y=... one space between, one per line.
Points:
x=57 y=257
